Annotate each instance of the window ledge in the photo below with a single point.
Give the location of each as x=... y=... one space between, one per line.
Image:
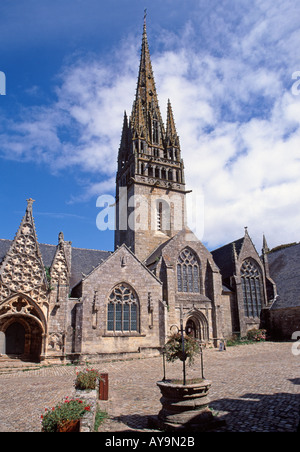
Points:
x=122 y=334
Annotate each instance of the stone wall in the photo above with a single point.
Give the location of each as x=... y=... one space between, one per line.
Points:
x=281 y=323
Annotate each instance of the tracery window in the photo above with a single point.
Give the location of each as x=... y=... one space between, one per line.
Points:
x=188 y=274
x=252 y=288
x=123 y=310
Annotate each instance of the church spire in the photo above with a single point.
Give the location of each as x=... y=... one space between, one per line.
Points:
x=125 y=144
x=146 y=112
x=171 y=134
x=149 y=166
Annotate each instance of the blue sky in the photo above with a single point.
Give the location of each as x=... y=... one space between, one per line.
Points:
x=71 y=68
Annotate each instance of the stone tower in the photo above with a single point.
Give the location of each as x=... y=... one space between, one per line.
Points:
x=150 y=185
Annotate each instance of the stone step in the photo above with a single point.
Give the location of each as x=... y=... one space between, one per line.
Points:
x=9 y=364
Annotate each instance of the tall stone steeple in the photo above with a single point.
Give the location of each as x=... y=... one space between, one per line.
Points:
x=146 y=121
x=150 y=169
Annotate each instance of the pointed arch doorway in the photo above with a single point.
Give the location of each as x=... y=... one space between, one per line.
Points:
x=21 y=337
x=22 y=329
x=197 y=326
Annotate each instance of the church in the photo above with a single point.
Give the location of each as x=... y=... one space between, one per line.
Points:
x=63 y=303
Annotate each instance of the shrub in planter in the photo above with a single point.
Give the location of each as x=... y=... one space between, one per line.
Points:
x=173 y=348
x=87 y=379
x=57 y=418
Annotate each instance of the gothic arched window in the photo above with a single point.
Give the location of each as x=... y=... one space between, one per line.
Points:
x=163 y=215
x=123 y=310
x=188 y=274
x=252 y=288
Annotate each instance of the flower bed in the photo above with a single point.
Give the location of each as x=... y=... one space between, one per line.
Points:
x=59 y=417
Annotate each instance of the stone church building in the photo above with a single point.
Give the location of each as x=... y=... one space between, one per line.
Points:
x=60 y=302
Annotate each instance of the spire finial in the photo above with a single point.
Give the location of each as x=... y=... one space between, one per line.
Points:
x=265 y=248
x=30 y=201
x=145 y=25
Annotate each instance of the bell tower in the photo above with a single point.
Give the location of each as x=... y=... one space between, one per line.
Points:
x=150 y=184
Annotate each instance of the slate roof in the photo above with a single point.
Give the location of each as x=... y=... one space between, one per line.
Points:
x=83 y=260
x=224 y=258
x=285 y=271
x=4 y=247
x=156 y=253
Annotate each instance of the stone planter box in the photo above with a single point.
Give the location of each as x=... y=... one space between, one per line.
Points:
x=185 y=407
x=88 y=420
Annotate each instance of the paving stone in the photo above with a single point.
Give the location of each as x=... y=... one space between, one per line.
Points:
x=254 y=388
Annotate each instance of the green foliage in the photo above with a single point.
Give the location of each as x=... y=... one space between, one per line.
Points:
x=87 y=379
x=254 y=335
x=68 y=410
x=99 y=418
x=173 y=348
x=48 y=276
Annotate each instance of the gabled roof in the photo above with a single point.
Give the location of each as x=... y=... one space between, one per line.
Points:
x=124 y=246
x=24 y=253
x=83 y=260
x=155 y=255
x=163 y=248
x=224 y=257
x=285 y=271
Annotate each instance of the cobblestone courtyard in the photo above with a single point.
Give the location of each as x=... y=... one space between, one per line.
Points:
x=254 y=388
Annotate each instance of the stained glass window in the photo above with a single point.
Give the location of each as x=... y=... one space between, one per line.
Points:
x=252 y=288
x=188 y=272
x=122 y=310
